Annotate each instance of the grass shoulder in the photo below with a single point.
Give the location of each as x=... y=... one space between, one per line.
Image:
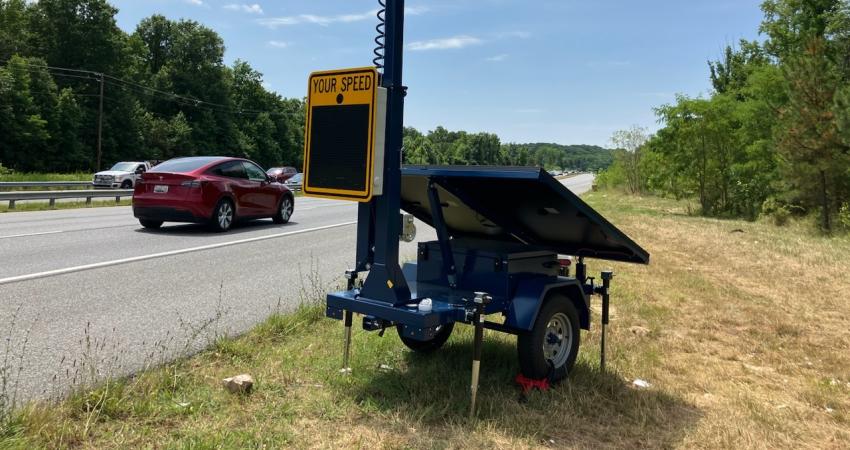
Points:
x=737 y=349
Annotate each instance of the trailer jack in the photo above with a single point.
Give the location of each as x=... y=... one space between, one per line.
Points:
x=351 y=278
x=606 y=298
x=482 y=299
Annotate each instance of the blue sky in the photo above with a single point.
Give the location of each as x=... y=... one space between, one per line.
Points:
x=566 y=71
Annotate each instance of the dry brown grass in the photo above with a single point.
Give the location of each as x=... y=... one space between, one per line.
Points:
x=748 y=348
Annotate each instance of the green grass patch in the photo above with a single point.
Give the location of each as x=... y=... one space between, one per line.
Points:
x=35 y=176
x=736 y=355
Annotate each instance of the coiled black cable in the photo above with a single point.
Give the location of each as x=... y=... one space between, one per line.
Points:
x=380 y=39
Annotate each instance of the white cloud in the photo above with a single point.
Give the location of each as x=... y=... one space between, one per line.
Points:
x=497 y=58
x=250 y=9
x=415 y=10
x=516 y=34
x=455 y=42
x=278 y=44
x=283 y=21
x=195 y=2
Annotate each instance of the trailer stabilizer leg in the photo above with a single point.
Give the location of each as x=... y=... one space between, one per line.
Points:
x=481 y=300
x=606 y=299
x=349 y=317
x=351 y=278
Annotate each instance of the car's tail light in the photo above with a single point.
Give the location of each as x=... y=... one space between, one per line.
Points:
x=191 y=184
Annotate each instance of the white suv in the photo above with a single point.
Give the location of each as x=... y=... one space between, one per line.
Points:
x=122 y=175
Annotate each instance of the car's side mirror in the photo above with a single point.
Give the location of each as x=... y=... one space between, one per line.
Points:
x=139 y=171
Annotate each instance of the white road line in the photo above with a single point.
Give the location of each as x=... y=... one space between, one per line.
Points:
x=30 y=234
x=51 y=273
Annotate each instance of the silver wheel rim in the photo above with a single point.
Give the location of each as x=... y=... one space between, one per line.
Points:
x=286 y=209
x=558 y=340
x=225 y=216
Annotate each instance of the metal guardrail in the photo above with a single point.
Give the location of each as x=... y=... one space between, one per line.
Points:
x=46 y=184
x=16 y=196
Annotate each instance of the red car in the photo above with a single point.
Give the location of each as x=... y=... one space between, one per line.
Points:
x=212 y=190
x=281 y=174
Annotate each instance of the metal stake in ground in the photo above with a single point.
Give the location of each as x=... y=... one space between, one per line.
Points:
x=481 y=300
x=351 y=276
x=606 y=284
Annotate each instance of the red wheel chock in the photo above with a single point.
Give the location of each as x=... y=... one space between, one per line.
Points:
x=528 y=384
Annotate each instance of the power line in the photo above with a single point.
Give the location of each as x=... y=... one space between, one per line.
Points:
x=162 y=95
x=168 y=96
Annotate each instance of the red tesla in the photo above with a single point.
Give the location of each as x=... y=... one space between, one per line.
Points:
x=213 y=190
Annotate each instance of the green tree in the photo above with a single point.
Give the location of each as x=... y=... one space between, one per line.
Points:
x=811 y=145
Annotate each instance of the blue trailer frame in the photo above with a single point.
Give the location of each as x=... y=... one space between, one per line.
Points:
x=487 y=259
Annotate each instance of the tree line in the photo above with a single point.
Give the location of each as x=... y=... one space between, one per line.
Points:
x=167 y=93
x=773 y=136
x=444 y=147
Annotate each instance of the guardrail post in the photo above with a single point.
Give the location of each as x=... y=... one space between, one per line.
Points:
x=88 y=201
x=11 y=204
x=52 y=203
x=117 y=199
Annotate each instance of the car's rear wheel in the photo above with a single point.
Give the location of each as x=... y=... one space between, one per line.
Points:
x=151 y=224
x=284 y=210
x=223 y=216
x=127 y=184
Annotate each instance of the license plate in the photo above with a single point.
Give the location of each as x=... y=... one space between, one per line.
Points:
x=160 y=189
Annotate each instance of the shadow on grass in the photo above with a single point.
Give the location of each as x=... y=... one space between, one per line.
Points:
x=588 y=408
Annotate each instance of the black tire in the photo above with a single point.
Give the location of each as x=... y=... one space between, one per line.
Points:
x=534 y=359
x=223 y=208
x=127 y=184
x=151 y=224
x=284 y=212
x=427 y=346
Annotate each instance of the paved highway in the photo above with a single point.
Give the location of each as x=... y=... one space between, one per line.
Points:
x=92 y=288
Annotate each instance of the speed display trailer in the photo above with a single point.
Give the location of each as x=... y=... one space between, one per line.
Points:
x=500 y=230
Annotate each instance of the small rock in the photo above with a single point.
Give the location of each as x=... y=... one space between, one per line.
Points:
x=240 y=384
x=829 y=410
x=640 y=331
x=385 y=367
x=345 y=371
x=642 y=384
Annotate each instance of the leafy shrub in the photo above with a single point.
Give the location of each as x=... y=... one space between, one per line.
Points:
x=4 y=170
x=844 y=216
x=777 y=211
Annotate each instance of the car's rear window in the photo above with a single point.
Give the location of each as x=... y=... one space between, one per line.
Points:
x=183 y=165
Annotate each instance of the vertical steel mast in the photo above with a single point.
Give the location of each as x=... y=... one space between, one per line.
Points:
x=379 y=221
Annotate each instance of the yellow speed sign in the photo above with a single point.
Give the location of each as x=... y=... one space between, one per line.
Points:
x=340 y=141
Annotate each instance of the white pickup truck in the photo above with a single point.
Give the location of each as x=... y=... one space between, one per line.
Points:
x=122 y=175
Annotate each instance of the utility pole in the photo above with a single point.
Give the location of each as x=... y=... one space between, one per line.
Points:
x=99 y=125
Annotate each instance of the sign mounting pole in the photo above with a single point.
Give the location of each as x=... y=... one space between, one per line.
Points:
x=386 y=281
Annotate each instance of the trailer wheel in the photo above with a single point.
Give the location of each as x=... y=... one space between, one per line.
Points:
x=428 y=346
x=549 y=350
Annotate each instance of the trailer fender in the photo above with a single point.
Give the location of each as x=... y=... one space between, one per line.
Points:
x=531 y=294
